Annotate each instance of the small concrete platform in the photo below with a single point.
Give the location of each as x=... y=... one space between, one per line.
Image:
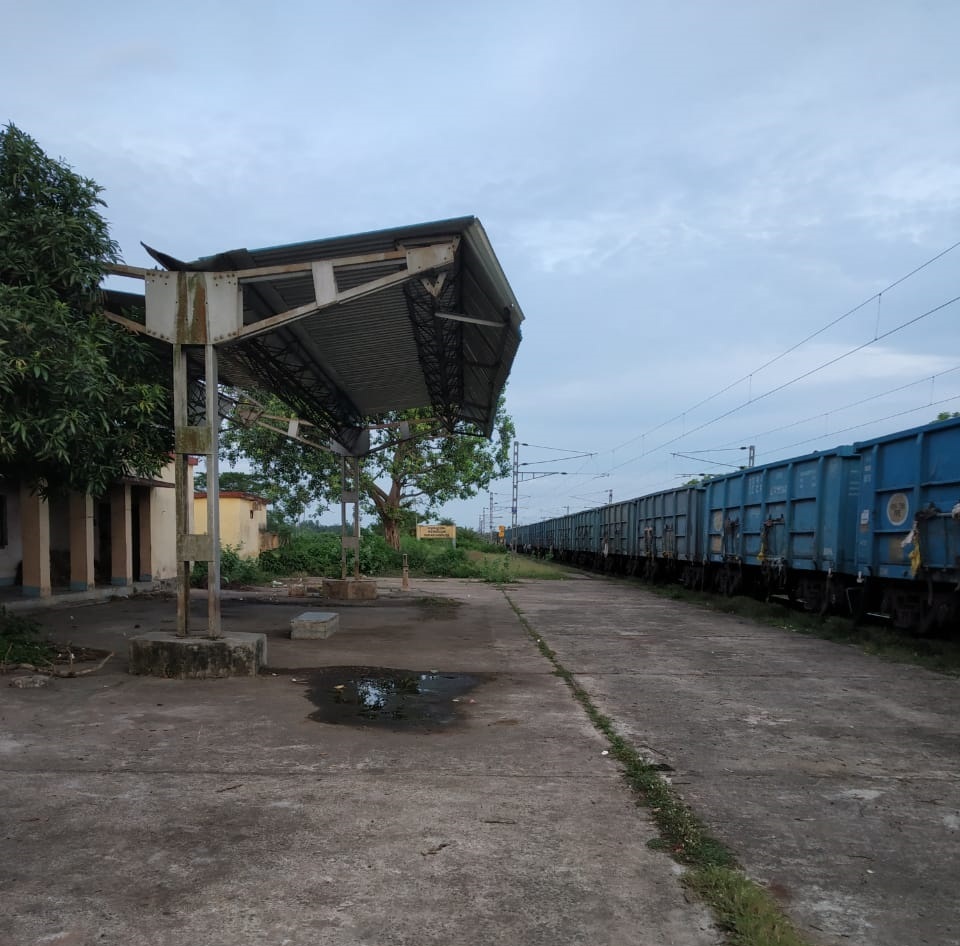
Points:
x=350 y=589
x=314 y=625
x=163 y=654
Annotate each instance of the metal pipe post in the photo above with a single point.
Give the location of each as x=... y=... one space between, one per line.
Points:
x=212 y=391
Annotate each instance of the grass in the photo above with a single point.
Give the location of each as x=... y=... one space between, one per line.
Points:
x=500 y=567
x=744 y=911
x=20 y=642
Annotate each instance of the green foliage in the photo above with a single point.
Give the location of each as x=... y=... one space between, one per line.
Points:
x=947 y=415
x=746 y=912
x=53 y=240
x=316 y=554
x=234 y=570
x=309 y=552
x=376 y=557
x=237 y=481
x=406 y=479
x=447 y=563
x=20 y=641
x=472 y=540
x=700 y=480
x=496 y=569
x=82 y=401
x=405 y=524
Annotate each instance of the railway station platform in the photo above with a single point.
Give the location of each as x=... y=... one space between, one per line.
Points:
x=423 y=776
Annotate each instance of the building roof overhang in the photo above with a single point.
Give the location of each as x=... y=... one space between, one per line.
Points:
x=348 y=329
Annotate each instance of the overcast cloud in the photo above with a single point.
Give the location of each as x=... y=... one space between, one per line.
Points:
x=678 y=191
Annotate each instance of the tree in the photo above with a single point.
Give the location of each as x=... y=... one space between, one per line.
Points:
x=82 y=402
x=238 y=481
x=416 y=474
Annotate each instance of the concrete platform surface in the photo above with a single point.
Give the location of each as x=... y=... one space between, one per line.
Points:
x=833 y=775
x=140 y=810
x=149 y=811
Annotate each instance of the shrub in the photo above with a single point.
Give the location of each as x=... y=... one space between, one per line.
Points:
x=20 y=641
x=318 y=553
x=234 y=570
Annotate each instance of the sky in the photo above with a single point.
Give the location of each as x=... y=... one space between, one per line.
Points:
x=705 y=209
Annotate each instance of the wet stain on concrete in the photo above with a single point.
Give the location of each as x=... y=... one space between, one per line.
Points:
x=381 y=696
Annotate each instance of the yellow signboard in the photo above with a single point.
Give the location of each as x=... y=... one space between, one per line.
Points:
x=502 y=531
x=436 y=532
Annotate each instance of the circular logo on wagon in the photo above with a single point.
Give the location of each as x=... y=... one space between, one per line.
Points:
x=898 y=508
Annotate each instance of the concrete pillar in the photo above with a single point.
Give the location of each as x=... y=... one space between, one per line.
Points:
x=35 y=534
x=121 y=536
x=146 y=540
x=81 y=542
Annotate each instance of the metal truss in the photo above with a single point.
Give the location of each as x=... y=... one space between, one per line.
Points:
x=306 y=388
x=439 y=341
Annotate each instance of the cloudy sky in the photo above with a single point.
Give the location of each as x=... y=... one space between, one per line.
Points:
x=705 y=209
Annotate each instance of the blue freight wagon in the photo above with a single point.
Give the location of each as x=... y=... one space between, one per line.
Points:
x=668 y=534
x=617 y=523
x=784 y=527
x=908 y=525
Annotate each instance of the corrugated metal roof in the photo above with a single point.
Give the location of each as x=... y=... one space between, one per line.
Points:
x=387 y=351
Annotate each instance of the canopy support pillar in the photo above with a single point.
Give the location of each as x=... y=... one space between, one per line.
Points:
x=349 y=510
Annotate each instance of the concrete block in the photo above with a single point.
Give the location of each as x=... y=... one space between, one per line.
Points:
x=163 y=654
x=314 y=625
x=350 y=589
x=301 y=589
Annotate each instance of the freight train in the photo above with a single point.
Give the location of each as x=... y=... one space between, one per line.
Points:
x=867 y=528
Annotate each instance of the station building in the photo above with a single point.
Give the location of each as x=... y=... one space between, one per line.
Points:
x=77 y=543
x=243 y=522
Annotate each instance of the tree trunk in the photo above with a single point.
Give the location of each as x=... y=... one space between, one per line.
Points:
x=391 y=532
x=390 y=512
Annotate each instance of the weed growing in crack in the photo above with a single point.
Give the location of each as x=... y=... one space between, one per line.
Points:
x=746 y=913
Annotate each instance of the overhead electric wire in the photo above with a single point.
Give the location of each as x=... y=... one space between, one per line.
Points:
x=837 y=410
x=687 y=456
x=875 y=297
x=878 y=420
x=536 y=446
x=786 y=384
x=877 y=337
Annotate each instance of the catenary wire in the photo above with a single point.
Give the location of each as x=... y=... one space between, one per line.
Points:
x=836 y=410
x=786 y=384
x=875 y=297
x=878 y=420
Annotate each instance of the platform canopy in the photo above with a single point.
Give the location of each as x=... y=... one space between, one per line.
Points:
x=346 y=329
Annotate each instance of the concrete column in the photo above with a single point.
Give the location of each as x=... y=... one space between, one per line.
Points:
x=35 y=534
x=81 y=542
x=121 y=536
x=146 y=540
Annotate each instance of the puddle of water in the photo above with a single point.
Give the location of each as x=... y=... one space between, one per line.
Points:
x=360 y=696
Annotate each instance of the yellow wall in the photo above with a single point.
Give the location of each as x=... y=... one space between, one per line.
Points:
x=238 y=529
